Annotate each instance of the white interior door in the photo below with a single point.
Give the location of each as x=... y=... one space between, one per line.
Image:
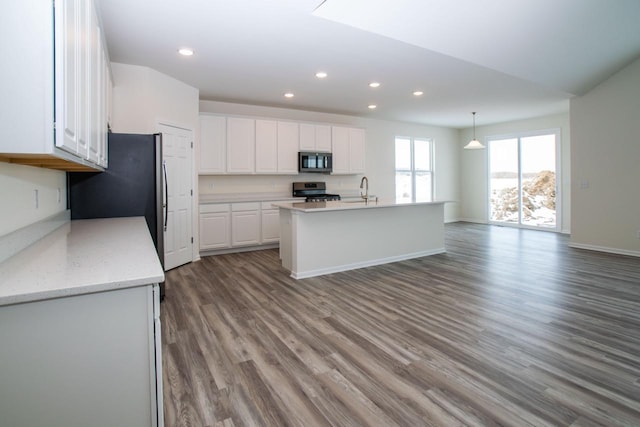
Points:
x=177 y=158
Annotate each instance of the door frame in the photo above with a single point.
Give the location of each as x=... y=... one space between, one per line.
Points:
x=558 y=164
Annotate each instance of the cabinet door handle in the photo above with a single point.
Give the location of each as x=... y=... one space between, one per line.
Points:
x=166 y=194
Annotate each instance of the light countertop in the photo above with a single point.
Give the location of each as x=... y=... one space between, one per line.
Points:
x=262 y=197
x=242 y=197
x=342 y=205
x=80 y=257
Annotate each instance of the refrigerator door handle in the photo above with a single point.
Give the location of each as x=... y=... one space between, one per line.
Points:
x=165 y=205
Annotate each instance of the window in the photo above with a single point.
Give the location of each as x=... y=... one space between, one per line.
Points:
x=414 y=170
x=522 y=180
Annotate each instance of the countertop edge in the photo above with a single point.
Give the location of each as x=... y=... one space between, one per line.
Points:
x=76 y=291
x=347 y=206
x=204 y=199
x=83 y=257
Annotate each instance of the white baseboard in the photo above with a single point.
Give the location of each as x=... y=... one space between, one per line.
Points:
x=211 y=252
x=369 y=263
x=604 y=249
x=473 y=220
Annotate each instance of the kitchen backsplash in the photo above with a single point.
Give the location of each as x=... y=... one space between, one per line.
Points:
x=232 y=184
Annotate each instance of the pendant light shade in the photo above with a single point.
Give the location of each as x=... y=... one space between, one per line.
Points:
x=474 y=144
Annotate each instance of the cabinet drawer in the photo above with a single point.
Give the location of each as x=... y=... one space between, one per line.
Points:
x=211 y=208
x=248 y=206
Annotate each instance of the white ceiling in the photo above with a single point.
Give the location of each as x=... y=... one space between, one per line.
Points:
x=505 y=59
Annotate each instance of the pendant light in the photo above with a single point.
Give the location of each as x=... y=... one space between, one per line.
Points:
x=474 y=144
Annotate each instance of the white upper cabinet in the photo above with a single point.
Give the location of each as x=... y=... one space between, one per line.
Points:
x=69 y=30
x=94 y=97
x=315 y=137
x=247 y=145
x=323 y=138
x=57 y=72
x=213 y=145
x=348 y=150
x=356 y=151
x=240 y=145
x=276 y=147
x=288 y=142
x=340 y=149
x=266 y=146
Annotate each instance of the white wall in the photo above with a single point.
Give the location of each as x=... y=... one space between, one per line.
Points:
x=474 y=164
x=17 y=185
x=142 y=98
x=605 y=157
x=380 y=136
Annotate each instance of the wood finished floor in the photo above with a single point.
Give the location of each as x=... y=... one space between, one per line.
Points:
x=509 y=327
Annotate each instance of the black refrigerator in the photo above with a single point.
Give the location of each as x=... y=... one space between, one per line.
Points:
x=131 y=185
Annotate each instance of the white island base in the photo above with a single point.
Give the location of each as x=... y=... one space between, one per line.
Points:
x=328 y=237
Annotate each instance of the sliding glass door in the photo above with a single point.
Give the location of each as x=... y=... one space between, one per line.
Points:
x=522 y=180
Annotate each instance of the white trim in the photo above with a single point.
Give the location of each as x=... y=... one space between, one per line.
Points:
x=160 y=122
x=363 y=264
x=238 y=249
x=473 y=220
x=412 y=169
x=606 y=249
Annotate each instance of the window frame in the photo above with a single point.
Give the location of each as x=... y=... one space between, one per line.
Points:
x=518 y=136
x=412 y=171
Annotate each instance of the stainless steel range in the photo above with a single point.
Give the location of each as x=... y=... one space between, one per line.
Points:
x=314 y=191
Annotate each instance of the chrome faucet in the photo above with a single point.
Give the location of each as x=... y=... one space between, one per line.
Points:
x=364 y=183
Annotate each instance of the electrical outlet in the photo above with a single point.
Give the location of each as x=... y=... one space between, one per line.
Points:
x=35 y=194
x=59 y=196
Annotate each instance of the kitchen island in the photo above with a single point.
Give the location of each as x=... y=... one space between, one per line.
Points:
x=327 y=237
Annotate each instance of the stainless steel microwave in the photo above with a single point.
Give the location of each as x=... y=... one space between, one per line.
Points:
x=315 y=162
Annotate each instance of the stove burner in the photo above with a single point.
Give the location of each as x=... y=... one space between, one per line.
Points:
x=322 y=198
x=313 y=191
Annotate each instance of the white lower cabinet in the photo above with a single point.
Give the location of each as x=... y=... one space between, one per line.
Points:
x=229 y=225
x=82 y=360
x=245 y=224
x=215 y=226
x=270 y=223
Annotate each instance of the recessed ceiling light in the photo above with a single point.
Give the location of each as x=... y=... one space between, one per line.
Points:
x=288 y=95
x=185 y=51
x=374 y=84
x=418 y=93
x=372 y=106
x=321 y=74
